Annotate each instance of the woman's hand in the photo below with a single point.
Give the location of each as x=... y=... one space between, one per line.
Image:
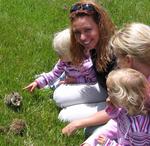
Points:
x=71 y=128
x=101 y=139
x=31 y=86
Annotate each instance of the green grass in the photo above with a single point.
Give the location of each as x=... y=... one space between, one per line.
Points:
x=27 y=28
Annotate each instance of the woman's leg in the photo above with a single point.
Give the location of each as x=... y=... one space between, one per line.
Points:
x=73 y=94
x=80 y=111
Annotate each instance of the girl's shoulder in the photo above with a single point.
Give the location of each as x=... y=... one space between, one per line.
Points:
x=113 y=111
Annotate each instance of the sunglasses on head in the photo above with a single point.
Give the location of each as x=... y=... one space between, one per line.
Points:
x=87 y=7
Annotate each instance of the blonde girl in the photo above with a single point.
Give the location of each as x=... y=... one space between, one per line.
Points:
x=129 y=105
x=73 y=75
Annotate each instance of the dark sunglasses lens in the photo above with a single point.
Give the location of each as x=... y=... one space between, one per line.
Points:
x=88 y=7
x=75 y=8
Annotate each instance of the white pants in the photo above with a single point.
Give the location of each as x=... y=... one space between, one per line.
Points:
x=80 y=111
x=73 y=94
x=79 y=100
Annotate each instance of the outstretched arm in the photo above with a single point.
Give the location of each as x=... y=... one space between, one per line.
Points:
x=98 y=118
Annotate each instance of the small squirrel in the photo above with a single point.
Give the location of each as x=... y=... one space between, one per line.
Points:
x=18 y=127
x=13 y=100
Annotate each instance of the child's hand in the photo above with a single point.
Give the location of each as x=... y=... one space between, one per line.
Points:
x=31 y=86
x=68 y=80
x=101 y=139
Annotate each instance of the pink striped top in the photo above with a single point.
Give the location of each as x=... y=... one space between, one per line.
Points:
x=83 y=74
x=132 y=130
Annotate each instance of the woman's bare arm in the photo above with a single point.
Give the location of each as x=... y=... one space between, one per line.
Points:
x=98 y=118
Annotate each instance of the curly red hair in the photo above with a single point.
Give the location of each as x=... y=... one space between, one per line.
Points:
x=106 y=29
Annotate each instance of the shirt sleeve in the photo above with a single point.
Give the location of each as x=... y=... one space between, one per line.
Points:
x=50 y=77
x=86 y=72
x=112 y=111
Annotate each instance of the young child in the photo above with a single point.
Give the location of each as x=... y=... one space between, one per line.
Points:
x=129 y=104
x=73 y=74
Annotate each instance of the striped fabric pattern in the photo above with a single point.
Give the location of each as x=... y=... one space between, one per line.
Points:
x=83 y=74
x=132 y=130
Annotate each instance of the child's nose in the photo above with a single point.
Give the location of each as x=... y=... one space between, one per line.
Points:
x=108 y=99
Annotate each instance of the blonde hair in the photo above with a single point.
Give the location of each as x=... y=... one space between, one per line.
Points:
x=106 y=30
x=134 y=40
x=129 y=89
x=61 y=42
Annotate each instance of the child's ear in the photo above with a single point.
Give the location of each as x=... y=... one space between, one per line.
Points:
x=129 y=61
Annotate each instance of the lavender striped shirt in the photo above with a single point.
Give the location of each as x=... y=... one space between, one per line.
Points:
x=83 y=74
x=132 y=130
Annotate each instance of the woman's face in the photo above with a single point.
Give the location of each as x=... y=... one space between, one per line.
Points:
x=86 y=32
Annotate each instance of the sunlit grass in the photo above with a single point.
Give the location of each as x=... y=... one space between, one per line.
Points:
x=27 y=28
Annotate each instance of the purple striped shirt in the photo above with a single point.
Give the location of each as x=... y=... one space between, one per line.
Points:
x=132 y=130
x=83 y=74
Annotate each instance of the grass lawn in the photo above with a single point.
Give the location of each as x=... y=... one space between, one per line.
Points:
x=27 y=28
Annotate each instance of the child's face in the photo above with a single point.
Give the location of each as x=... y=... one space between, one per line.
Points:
x=111 y=100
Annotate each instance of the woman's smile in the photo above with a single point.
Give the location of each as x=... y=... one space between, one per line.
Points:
x=86 y=32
